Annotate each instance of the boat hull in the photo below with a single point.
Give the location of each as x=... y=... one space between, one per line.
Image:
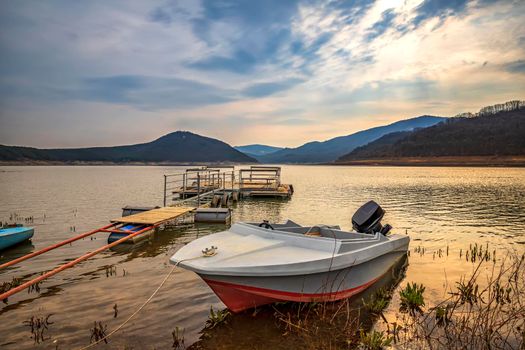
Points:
x=14 y=235
x=131 y=228
x=239 y=293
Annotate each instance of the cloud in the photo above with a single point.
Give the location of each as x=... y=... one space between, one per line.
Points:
x=240 y=62
x=152 y=92
x=161 y=16
x=267 y=89
x=387 y=18
x=299 y=69
x=242 y=35
x=515 y=67
x=438 y=8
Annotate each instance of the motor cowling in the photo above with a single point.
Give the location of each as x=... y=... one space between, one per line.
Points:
x=367 y=219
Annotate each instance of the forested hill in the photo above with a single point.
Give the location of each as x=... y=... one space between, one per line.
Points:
x=494 y=131
x=330 y=150
x=177 y=147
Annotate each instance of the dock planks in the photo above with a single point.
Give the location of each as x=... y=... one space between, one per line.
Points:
x=155 y=216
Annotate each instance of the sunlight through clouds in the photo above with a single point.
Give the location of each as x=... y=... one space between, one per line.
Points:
x=242 y=71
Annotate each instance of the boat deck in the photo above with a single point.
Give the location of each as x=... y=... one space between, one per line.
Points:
x=155 y=216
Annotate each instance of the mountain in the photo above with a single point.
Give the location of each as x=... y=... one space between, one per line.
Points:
x=257 y=150
x=177 y=147
x=377 y=148
x=330 y=150
x=492 y=132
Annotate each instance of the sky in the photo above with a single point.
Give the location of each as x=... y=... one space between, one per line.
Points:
x=278 y=72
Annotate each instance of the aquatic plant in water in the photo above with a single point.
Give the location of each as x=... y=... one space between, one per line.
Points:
x=412 y=299
x=216 y=317
x=373 y=340
x=38 y=327
x=98 y=332
x=178 y=338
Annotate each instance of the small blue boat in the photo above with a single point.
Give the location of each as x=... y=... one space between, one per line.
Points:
x=129 y=229
x=10 y=236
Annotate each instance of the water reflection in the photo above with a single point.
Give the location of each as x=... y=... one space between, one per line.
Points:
x=21 y=249
x=262 y=329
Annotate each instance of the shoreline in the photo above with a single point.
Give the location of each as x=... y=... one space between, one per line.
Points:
x=97 y=163
x=462 y=161
x=467 y=161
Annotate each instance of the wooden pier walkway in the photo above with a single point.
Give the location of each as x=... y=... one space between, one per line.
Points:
x=155 y=217
x=144 y=222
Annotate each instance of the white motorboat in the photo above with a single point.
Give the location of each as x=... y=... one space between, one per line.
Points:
x=254 y=264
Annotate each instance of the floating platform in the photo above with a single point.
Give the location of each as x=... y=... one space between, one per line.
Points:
x=213 y=215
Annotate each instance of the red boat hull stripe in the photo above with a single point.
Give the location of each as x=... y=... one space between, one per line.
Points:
x=239 y=297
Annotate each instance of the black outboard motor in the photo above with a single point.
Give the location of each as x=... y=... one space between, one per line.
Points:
x=367 y=219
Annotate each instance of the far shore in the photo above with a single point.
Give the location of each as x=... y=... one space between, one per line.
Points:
x=98 y=163
x=467 y=161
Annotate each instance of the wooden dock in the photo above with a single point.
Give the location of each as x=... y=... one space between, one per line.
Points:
x=199 y=183
x=155 y=217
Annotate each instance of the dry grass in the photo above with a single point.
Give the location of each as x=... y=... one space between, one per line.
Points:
x=484 y=311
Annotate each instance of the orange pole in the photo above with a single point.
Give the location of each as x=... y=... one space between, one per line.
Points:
x=70 y=264
x=54 y=246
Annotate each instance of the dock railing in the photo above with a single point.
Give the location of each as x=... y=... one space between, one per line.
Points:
x=197 y=185
x=260 y=178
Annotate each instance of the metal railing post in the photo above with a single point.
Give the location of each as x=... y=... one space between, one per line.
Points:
x=198 y=190
x=184 y=181
x=165 y=185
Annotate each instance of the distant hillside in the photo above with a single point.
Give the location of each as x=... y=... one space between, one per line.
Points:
x=177 y=147
x=257 y=150
x=494 y=131
x=378 y=147
x=330 y=150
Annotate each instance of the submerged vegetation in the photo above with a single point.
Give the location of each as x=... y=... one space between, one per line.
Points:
x=178 y=339
x=98 y=332
x=216 y=318
x=38 y=326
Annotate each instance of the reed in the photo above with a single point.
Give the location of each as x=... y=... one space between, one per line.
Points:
x=38 y=326
x=98 y=332
x=484 y=311
x=178 y=339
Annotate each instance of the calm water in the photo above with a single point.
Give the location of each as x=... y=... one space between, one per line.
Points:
x=437 y=207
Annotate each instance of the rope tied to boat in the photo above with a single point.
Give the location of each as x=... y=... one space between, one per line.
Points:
x=210 y=252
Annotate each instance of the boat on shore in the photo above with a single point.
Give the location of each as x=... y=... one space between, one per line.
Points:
x=255 y=264
x=13 y=235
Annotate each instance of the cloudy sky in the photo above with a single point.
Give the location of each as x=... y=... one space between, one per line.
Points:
x=81 y=73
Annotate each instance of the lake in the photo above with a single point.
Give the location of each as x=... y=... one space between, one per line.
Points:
x=439 y=208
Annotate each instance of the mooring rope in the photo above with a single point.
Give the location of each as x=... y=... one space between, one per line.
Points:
x=133 y=314
x=205 y=254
